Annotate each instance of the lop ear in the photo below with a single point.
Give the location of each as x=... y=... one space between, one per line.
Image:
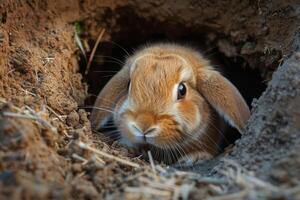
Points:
x=108 y=97
x=224 y=97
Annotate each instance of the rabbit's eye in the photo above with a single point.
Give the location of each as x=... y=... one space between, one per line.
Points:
x=181 y=91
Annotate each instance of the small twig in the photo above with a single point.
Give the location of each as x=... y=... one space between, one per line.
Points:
x=135 y=176
x=30 y=110
x=76 y=156
x=55 y=113
x=96 y=158
x=47 y=60
x=211 y=180
x=67 y=135
x=28 y=116
x=148 y=190
x=156 y=184
x=203 y=179
x=16 y=115
x=80 y=175
x=109 y=156
x=259 y=183
x=152 y=164
x=41 y=120
x=2 y=100
x=292 y=191
x=79 y=43
x=160 y=169
x=238 y=195
x=94 y=51
x=27 y=92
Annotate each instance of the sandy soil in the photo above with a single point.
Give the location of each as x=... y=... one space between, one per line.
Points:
x=47 y=148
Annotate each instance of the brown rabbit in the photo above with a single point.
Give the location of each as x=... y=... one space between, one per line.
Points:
x=170 y=97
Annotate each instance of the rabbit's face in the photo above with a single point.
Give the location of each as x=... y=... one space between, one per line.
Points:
x=172 y=98
x=162 y=106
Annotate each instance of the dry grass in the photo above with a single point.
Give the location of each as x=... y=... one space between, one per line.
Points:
x=109 y=156
x=28 y=113
x=153 y=181
x=94 y=51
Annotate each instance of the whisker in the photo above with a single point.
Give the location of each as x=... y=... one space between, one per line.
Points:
x=102 y=133
x=103 y=71
x=208 y=50
x=110 y=57
x=107 y=76
x=196 y=142
x=105 y=107
x=110 y=61
x=111 y=132
x=168 y=156
x=119 y=46
x=111 y=139
x=110 y=136
x=181 y=152
x=172 y=150
x=103 y=99
x=97 y=108
x=171 y=153
x=108 y=126
x=218 y=130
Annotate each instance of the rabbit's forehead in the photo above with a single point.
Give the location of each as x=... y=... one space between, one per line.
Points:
x=156 y=75
x=154 y=68
x=153 y=81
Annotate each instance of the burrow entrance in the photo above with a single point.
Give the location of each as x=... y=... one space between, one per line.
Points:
x=38 y=70
x=134 y=31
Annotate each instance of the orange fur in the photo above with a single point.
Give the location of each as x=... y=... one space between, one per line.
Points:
x=150 y=113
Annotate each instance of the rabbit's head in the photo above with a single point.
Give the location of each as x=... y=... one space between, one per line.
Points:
x=165 y=96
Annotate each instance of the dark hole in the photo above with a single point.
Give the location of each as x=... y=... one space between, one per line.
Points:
x=247 y=80
x=3 y=18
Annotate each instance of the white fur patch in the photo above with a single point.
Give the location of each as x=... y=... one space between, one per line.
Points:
x=154 y=133
x=186 y=74
x=225 y=116
x=134 y=130
x=122 y=109
x=175 y=92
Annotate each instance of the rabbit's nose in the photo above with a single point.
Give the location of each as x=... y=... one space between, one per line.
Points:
x=136 y=129
x=149 y=131
x=144 y=122
x=140 y=132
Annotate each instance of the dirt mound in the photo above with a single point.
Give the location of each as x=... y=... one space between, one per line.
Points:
x=47 y=148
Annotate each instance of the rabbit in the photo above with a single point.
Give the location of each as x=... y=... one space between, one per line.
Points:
x=170 y=97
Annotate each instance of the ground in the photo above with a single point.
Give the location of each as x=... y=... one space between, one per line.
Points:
x=47 y=147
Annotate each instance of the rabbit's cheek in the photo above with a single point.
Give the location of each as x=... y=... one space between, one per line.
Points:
x=121 y=106
x=123 y=127
x=189 y=114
